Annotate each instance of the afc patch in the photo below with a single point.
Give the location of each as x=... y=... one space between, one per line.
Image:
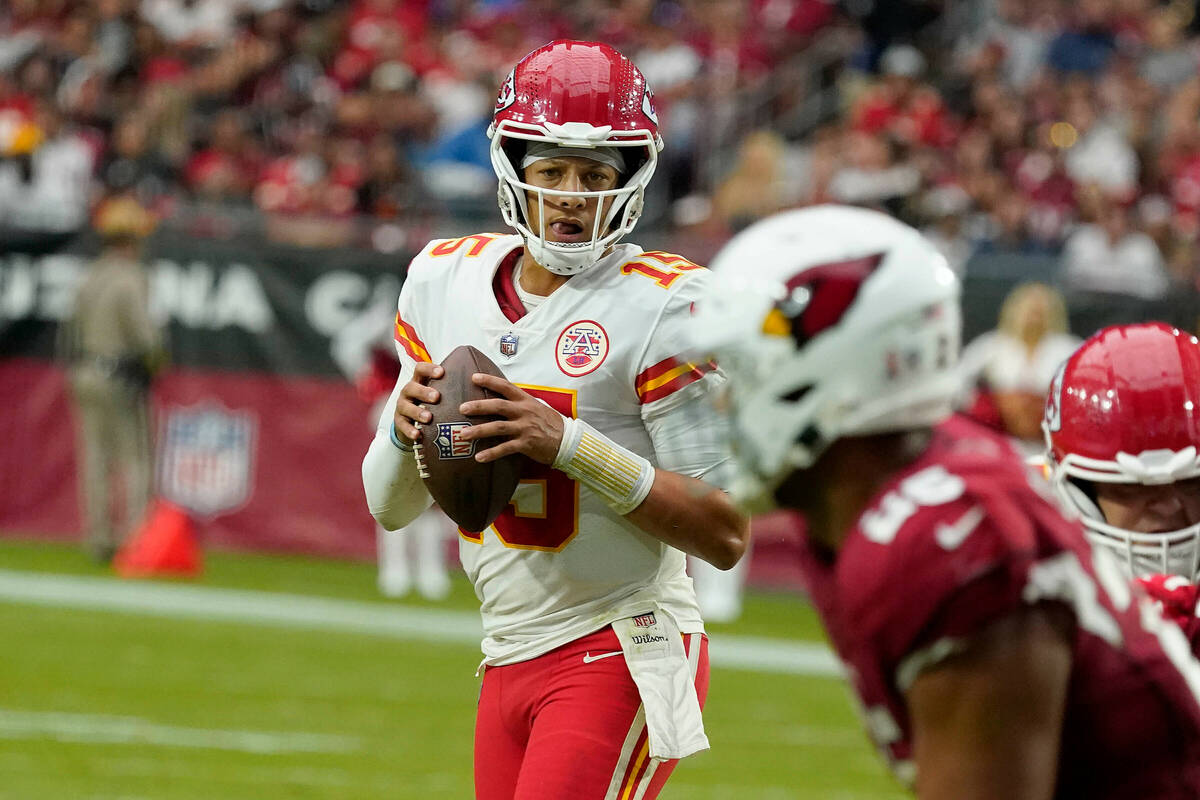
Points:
x=450 y=443
x=581 y=348
x=508 y=345
x=206 y=457
x=645 y=620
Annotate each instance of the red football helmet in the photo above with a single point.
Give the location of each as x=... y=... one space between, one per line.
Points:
x=583 y=96
x=1125 y=408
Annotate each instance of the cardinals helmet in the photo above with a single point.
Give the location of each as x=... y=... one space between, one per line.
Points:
x=829 y=321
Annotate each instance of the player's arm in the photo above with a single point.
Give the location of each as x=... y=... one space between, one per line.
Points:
x=686 y=506
x=682 y=511
x=987 y=721
x=693 y=516
x=395 y=493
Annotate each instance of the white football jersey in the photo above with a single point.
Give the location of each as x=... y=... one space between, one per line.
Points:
x=605 y=347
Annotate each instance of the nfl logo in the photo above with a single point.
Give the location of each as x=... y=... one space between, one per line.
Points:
x=645 y=620
x=449 y=441
x=508 y=345
x=205 y=458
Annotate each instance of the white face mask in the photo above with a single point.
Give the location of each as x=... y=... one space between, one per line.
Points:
x=624 y=203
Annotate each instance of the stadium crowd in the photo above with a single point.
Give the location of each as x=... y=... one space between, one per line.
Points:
x=1007 y=127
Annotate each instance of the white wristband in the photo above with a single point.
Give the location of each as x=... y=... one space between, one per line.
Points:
x=620 y=476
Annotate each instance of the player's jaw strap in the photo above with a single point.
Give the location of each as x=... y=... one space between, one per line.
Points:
x=620 y=476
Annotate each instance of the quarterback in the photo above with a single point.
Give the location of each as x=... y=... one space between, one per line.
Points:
x=994 y=655
x=595 y=661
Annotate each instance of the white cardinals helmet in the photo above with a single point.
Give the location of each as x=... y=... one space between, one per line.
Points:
x=829 y=321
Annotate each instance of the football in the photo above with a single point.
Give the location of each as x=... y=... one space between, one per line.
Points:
x=472 y=494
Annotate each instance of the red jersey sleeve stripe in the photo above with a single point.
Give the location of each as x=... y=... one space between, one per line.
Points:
x=409 y=340
x=670 y=382
x=650 y=373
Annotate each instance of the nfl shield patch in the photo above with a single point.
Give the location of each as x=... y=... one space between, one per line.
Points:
x=205 y=458
x=645 y=620
x=508 y=345
x=450 y=443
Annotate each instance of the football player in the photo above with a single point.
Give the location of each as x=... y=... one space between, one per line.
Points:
x=1122 y=430
x=595 y=660
x=994 y=656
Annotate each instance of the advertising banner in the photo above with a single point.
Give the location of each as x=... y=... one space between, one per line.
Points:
x=258 y=430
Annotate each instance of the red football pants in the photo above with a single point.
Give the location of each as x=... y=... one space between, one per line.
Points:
x=558 y=727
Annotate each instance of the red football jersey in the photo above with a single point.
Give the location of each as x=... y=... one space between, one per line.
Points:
x=963 y=537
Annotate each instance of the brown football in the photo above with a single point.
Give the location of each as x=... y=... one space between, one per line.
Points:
x=471 y=494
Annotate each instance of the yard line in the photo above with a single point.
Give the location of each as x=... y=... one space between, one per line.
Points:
x=110 y=729
x=755 y=654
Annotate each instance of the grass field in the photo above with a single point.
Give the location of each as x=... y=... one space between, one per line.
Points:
x=139 y=703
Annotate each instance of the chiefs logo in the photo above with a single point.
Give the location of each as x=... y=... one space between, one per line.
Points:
x=507 y=95
x=648 y=105
x=1054 y=402
x=581 y=348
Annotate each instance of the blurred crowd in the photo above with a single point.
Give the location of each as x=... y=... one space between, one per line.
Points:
x=1047 y=128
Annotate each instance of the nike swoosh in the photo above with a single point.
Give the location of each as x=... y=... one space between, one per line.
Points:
x=589 y=658
x=951 y=536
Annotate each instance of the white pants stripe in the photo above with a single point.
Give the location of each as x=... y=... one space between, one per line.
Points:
x=692 y=645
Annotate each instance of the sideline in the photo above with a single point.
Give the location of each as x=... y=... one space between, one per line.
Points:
x=109 y=729
x=750 y=653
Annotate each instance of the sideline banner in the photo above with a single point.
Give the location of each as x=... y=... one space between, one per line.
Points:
x=258 y=430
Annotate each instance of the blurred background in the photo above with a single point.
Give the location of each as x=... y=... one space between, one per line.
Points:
x=268 y=168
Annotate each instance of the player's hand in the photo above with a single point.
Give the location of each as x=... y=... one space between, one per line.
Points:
x=1176 y=597
x=529 y=425
x=412 y=394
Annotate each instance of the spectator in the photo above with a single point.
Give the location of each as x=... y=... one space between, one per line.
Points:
x=1009 y=233
x=674 y=68
x=1109 y=256
x=1097 y=152
x=758 y=184
x=1008 y=370
x=1169 y=59
x=387 y=189
x=46 y=185
x=900 y=105
x=132 y=164
x=872 y=175
x=204 y=23
x=1089 y=43
x=946 y=208
x=224 y=169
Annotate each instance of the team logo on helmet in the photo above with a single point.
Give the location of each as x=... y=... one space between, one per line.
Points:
x=508 y=93
x=648 y=105
x=450 y=443
x=581 y=348
x=1054 y=401
x=820 y=296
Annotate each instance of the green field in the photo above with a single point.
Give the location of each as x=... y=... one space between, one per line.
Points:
x=126 y=705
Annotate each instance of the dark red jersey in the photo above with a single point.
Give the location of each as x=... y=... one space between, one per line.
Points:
x=964 y=537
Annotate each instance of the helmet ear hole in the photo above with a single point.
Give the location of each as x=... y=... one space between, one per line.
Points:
x=796 y=395
x=809 y=437
x=1086 y=488
x=514 y=151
